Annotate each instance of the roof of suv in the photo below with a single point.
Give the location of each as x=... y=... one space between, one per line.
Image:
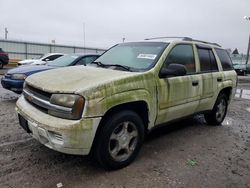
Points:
x=185 y=39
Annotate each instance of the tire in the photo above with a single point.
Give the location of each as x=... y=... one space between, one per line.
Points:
x=217 y=115
x=119 y=141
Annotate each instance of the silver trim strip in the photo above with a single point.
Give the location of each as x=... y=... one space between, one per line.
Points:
x=45 y=104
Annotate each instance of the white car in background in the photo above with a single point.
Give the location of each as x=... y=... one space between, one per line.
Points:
x=42 y=60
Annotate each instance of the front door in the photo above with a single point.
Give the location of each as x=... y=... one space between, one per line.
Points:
x=179 y=96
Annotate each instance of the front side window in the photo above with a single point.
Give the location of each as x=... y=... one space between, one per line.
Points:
x=182 y=54
x=137 y=56
x=224 y=59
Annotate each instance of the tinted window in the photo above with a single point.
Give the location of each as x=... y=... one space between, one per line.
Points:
x=224 y=59
x=86 y=60
x=182 y=54
x=89 y=59
x=52 y=57
x=207 y=60
x=204 y=60
x=214 y=66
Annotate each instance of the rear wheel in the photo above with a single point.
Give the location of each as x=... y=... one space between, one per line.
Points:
x=217 y=115
x=120 y=140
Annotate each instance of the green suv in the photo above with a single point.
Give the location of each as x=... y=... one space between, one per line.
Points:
x=107 y=108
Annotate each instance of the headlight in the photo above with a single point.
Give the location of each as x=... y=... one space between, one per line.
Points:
x=73 y=105
x=18 y=76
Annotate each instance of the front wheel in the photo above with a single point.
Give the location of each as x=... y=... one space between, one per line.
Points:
x=217 y=115
x=120 y=140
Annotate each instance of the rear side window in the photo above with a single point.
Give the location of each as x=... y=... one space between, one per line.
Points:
x=207 y=60
x=224 y=59
x=182 y=54
x=214 y=66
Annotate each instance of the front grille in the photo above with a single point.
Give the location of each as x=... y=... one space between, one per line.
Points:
x=41 y=100
x=30 y=92
x=39 y=107
x=37 y=92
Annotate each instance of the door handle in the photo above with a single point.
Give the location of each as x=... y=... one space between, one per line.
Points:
x=195 y=83
x=219 y=79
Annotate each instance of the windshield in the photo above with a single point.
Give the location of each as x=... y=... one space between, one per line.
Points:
x=138 y=56
x=63 y=61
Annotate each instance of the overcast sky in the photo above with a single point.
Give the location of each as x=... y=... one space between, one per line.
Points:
x=108 y=21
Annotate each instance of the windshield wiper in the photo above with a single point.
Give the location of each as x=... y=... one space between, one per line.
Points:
x=98 y=63
x=118 y=65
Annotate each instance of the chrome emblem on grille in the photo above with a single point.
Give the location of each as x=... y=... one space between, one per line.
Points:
x=30 y=98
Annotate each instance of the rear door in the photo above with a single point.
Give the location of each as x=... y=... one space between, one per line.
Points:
x=210 y=76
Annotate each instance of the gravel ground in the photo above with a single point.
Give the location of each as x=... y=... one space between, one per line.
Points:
x=184 y=154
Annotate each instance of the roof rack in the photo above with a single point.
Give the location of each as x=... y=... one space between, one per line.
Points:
x=190 y=39
x=185 y=39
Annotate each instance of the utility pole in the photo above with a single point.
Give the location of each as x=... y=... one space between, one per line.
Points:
x=84 y=36
x=6 y=33
x=54 y=44
x=248 y=48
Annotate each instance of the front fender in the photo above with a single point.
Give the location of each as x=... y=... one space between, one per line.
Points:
x=96 y=108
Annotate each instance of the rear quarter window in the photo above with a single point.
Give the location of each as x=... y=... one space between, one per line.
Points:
x=224 y=59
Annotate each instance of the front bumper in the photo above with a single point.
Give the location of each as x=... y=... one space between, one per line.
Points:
x=13 y=85
x=66 y=136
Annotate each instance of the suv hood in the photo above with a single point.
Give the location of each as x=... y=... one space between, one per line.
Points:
x=75 y=79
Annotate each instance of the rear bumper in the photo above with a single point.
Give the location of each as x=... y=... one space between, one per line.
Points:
x=66 y=136
x=13 y=85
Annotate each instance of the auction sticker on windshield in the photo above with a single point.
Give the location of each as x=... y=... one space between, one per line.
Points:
x=147 y=56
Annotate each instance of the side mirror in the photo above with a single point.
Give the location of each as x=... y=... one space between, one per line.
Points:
x=46 y=59
x=173 y=70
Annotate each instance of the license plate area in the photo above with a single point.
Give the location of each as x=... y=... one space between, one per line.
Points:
x=24 y=123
